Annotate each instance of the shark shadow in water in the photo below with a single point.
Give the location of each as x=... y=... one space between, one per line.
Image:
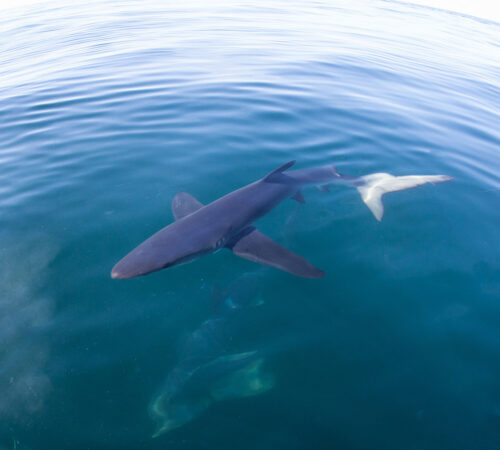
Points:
x=206 y=372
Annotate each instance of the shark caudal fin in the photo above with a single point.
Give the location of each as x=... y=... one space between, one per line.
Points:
x=372 y=187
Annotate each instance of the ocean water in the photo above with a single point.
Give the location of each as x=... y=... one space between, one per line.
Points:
x=108 y=109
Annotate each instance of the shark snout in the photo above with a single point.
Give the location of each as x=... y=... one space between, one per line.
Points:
x=152 y=255
x=129 y=267
x=117 y=275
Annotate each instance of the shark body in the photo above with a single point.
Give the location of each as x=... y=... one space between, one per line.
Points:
x=228 y=221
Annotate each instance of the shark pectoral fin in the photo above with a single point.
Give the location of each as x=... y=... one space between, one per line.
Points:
x=257 y=247
x=184 y=204
x=299 y=197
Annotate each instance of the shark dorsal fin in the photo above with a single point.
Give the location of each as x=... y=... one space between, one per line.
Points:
x=278 y=171
x=184 y=204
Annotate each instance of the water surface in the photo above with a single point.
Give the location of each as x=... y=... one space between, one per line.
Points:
x=108 y=109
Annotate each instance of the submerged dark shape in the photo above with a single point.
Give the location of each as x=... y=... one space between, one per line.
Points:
x=227 y=221
x=206 y=372
x=191 y=388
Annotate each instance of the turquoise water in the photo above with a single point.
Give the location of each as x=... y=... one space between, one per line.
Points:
x=107 y=110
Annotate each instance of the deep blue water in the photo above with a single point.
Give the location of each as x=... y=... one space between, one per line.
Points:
x=108 y=109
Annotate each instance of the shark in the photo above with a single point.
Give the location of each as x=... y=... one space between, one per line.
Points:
x=207 y=372
x=228 y=222
x=192 y=387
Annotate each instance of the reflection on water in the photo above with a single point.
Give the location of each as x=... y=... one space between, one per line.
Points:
x=25 y=314
x=110 y=108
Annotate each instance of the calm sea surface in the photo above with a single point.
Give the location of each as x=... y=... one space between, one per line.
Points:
x=108 y=109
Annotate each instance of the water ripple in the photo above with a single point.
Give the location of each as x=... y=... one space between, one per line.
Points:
x=108 y=109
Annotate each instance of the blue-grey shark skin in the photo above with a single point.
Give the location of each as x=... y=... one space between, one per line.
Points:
x=220 y=224
x=227 y=222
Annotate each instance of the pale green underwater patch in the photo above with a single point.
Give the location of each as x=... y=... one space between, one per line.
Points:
x=238 y=375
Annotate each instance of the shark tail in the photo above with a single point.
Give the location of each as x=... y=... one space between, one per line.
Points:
x=372 y=187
